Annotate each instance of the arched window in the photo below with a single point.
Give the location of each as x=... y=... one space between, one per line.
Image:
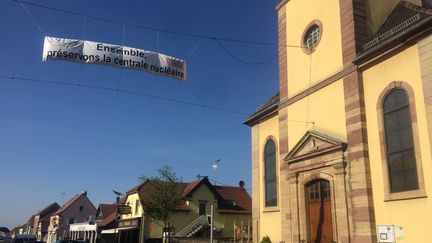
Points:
x=270 y=173
x=401 y=160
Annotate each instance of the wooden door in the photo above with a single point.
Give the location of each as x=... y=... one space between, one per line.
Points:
x=319 y=212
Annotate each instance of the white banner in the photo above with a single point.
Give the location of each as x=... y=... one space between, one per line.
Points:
x=83 y=51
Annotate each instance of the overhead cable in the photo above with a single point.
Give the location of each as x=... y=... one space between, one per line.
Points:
x=243 y=61
x=152 y=28
x=32 y=18
x=125 y=92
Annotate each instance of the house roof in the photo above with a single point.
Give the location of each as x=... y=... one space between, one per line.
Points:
x=48 y=210
x=69 y=203
x=4 y=230
x=135 y=188
x=264 y=111
x=406 y=19
x=150 y=186
x=243 y=202
x=46 y=218
x=107 y=209
x=108 y=218
x=225 y=195
x=194 y=185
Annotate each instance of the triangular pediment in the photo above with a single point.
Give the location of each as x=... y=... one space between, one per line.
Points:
x=314 y=142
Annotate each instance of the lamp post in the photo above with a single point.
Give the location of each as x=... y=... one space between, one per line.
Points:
x=118 y=194
x=215 y=166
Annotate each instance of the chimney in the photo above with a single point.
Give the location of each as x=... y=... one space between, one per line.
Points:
x=241 y=184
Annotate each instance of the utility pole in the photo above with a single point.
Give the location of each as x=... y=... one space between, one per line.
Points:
x=116 y=231
x=117 y=204
x=234 y=231
x=241 y=231
x=211 y=223
x=248 y=230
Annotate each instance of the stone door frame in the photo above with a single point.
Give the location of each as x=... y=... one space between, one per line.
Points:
x=325 y=160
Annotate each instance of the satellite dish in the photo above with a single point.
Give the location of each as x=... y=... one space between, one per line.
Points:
x=118 y=193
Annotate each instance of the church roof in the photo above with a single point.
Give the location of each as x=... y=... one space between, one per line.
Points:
x=262 y=112
x=406 y=19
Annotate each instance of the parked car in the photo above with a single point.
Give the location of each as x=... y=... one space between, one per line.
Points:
x=71 y=241
x=5 y=239
x=23 y=238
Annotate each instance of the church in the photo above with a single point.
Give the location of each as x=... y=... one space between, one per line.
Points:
x=342 y=153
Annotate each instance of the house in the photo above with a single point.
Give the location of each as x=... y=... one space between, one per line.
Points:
x=342 y=153
x=38 y=223
x=231 y=205
x=4 y=231
x=91 y=231
x=106 y=222
x=78 y=209
x=20 y=229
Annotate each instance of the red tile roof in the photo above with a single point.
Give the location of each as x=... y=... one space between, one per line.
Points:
x=135 y=188
x=191 y=186
x=108 y=218
x=150 y=186
x=231 y=199
x=68 y=203
x=107 y=209
x=48 y=209
x=238 y=195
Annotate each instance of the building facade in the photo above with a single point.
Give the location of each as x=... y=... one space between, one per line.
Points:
x=342 y=152
x=40 y=221
x=231 y=208
x=78 y=209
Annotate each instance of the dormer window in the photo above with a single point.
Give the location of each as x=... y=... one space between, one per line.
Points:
x=311 y=36
x=231 y=203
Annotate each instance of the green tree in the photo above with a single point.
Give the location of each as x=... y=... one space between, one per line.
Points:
x=266 y=239
x=162 y=195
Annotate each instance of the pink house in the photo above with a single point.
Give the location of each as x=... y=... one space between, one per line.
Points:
x=78 y=209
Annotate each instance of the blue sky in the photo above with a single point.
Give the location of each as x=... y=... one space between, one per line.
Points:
x=60 y=139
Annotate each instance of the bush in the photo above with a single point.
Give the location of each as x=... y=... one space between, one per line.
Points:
x=266 y=239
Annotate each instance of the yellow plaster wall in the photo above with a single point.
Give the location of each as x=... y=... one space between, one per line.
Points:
x=131 y=201
x=406 y=213
x=326 y=60
x=270 y=221
x=227 y=221
x=182 y=219
x=326 y=108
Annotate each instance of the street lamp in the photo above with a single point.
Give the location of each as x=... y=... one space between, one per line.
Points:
x=118 y=194
x=215 y=166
